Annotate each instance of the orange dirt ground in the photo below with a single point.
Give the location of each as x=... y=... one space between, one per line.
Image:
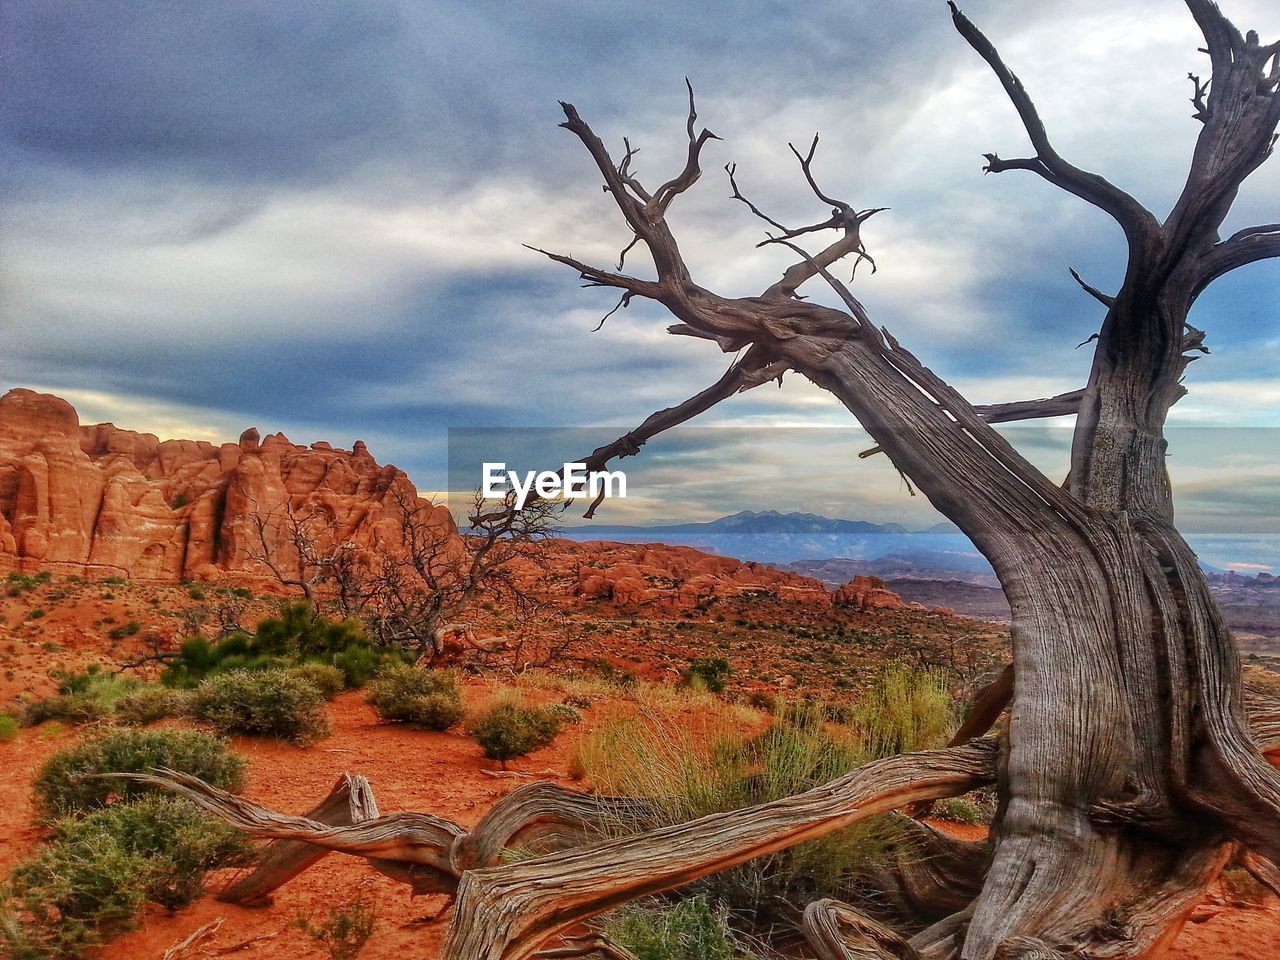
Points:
x=412 y=770
x=409 y=770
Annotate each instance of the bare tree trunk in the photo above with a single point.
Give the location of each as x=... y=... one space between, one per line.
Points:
x=1130 y=769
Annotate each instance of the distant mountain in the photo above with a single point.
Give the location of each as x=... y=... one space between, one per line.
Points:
x=769 y=536
x=751 y=522
x=796 y=540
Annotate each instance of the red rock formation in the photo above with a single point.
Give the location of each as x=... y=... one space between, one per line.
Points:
x=101 y=499
x=867 y=593
x=679 y=577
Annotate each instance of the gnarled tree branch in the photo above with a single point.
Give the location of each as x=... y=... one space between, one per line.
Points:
x=505 y=913
x=1048 y=163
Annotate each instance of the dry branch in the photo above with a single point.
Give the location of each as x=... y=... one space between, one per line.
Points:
x=836 y=931
x=350 y=801
x=505 y=913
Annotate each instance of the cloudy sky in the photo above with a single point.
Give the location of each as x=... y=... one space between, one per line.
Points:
x=308 y=216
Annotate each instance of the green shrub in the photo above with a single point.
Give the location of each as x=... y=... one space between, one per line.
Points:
x=296 y=637
x=149 y=704
x=692 y=929
x=83 y=697
x=88 y=883
x=64 y=786
x=196 y=592
x=8 y=727
x=179 y=843
x=72 y=708
x=128 y=630
x=345 y=930
x=427 y=698
x=71 y=897
x=325 y=677
x=707 y=674
x=35 y=614
x=359 y=663
x=510 y=729
x=266 y=703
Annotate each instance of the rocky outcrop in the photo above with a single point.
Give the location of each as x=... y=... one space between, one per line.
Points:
x=101 y=501
x=99 y=498
x=678 y=577
x=868 y=593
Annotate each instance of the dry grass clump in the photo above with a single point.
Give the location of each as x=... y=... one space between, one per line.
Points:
x=687 y=765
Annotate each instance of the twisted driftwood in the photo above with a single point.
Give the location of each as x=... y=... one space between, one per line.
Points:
x=507 y=912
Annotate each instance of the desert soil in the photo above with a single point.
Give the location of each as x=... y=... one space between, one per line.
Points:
x=445 y=774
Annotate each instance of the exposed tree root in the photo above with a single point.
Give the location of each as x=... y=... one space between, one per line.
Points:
x=836 y=931
x=595 y=945
x=505 y=913
x=928 y=875
x=429 y=853
x=350 y=801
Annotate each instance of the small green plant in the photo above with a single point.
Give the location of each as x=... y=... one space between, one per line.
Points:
x=325 y=677
x=196 y=592
x=8 y=727
x=128 y=630
x=179 y=843
x=961 y=810
x=20 y=583
x=36 y=614
x=83 y=697
x=426 y=698
x=693 y=929
x=509 y=728
x=66 y=786
x=564 y=713
x=345 y=929
x=707 y=674
x=265 y=703
x=149 y=704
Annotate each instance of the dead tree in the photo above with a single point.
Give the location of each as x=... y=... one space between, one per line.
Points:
x=1130 y=769
x=422 y=591
x=307 y=551
x=1129 y=772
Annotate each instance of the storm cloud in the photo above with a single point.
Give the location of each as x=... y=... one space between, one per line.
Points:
x=310 y=216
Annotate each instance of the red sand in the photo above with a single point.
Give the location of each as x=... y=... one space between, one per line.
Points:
x=410 y=770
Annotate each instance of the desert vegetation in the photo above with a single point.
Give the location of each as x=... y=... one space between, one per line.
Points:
x=403 y=693
x=114 y=844
x=509 y=728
